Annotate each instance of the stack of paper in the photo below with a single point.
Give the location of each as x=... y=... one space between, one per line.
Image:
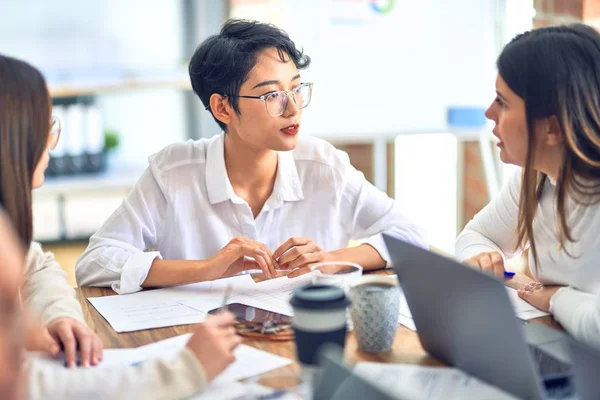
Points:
x=249 y=360
x=190 y=303
x=523 y=310
x=404 y=316
x=417 y=382
x=272 y=295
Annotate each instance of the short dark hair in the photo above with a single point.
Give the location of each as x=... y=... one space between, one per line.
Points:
x=222 y=62
x=24 y=128
x=556 y=71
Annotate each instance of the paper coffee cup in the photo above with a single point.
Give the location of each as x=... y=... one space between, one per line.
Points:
x=319 y=318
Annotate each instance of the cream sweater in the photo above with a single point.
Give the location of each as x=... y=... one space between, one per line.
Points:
x=46 y=290
x=577 y=305
x=176 y=379
x=47 y=293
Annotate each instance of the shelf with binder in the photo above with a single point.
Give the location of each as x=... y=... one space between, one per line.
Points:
x=82 y=188
x=74 y=86
x=81 y=148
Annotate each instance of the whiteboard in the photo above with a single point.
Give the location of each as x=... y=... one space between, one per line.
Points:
x=385 y=74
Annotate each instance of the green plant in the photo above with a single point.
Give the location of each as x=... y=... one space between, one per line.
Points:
x=111 y=140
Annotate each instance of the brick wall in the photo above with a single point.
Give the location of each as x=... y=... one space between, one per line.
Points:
x=555 y=12
x=361 y=157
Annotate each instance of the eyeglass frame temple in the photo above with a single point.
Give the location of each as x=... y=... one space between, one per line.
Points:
x=264 y=96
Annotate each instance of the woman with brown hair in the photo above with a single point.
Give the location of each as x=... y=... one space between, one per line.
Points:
x=547 y=117
x=27 y=132
x=12 y=258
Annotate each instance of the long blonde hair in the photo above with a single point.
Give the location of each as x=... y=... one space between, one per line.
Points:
x=556 y=71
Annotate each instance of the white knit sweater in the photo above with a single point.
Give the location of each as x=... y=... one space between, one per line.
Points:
x=577 y=305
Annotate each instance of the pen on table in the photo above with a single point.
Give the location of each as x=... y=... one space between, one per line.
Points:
x=508 y=274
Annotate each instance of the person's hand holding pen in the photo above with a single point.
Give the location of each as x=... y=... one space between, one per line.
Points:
x=491 y=263
x=215 y=339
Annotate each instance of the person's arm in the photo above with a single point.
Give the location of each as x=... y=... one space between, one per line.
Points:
x=46 y=290
x=368 y=212
x=365 y=255
x=365 y=213
x=493 y=229
x=47 y=293
x=175 y=379
x=118 y=254
x=578 y=313
x=208 y=352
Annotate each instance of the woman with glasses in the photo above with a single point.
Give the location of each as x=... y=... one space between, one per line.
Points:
x=258 y=196
x=27 y=132
x=547 y=117
x=24 y=146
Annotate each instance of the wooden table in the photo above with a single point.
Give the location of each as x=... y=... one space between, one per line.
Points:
x=407 y=348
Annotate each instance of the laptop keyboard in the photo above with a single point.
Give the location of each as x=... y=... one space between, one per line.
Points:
x=555 y=375
x=561 y=389
x=547 y=366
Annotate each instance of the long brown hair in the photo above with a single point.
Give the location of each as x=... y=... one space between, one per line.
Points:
x=556 y=71
x=24 y=128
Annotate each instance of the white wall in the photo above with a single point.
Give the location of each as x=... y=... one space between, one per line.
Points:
x=94 y=40
x=71 y=34
x=385 y=74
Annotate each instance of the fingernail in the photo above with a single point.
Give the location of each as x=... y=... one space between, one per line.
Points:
x=86 y=364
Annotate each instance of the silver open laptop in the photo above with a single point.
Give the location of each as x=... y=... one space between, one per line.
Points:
x=586 y=364
x=465 y=318
x=338 y=382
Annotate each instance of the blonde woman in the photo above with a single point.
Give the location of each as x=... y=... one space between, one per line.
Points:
x=547 y=117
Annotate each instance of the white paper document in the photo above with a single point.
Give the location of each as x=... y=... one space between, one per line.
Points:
x=404 y=316
x=166 y=307
x=190 y=304
x=232 y=391
x=271 y=295
x=127 y=315
x=249 y=361
x=244 y=391
x=523 y=310
x=432 y=383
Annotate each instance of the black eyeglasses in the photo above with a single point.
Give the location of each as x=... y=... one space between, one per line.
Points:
x=276 y=102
